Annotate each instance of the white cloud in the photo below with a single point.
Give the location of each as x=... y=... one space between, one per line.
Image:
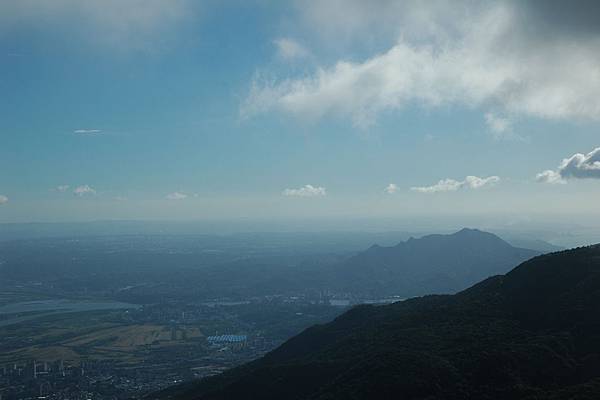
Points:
x=84 y=190
x=3 y=199
x=578 y=166
x=176 y=196
x=289 y=49
x=305 y=191
x=582 y=165
x=391 y=188
x=444 y=185
x=62 y=188
x=87 y=131
x=474 y=182
x=482 y=58
x=452 y=185
x=549 y=176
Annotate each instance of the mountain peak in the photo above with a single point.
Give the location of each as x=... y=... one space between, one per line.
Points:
x=431 y=264
x=468 y=231
x=474 y=233
x=465 y=236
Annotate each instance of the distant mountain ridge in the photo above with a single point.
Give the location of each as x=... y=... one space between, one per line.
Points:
x=431 y=264
x=532 y=334
x=533 y=244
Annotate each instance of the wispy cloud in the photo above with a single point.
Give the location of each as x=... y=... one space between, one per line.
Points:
x=84 y=190
x=306 y=191
x=3 y=199
x=391 y=188
x=578 y=166
x=118 y=24
x=452 y=185
x=289 y=49
x=501 y=127
x=87 y=131
x=176 y=196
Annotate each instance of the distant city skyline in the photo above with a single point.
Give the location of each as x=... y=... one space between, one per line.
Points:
x=184 y=110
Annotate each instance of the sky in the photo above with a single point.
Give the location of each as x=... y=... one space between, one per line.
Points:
x=191 y=110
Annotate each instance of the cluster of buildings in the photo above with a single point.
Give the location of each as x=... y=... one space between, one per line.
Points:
x=49 y=380
x=109 y=380
x=91 y=380
x=226 y=342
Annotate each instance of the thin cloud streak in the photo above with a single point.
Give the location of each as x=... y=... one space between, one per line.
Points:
x=176 y=196
x=306 y=191
x=87 y=131
x=84 y=190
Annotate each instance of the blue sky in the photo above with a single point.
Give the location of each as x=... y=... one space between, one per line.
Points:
x=191 y=110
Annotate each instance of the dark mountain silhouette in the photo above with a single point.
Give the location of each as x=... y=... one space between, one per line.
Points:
x=431 y=264
x=533 y=333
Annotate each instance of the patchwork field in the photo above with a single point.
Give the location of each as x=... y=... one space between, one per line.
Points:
x=88 y=336
x=131 y=336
